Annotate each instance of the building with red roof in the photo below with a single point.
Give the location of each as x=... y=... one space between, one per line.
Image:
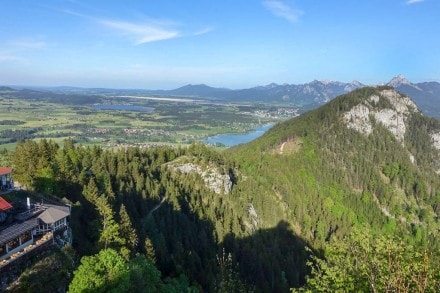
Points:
x=31 y=227
x=28 y=228
x=6 y=181
x=4 y=205
x=5 y=170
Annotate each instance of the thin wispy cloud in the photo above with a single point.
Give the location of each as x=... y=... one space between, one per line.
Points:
x=283 y=10
x=414 y=1
x=13 y=49
x=203 y=31
x=140 y=33
x=74 y=13
x=4 y=57
x=27 y=44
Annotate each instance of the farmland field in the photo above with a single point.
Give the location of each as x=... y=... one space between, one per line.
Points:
x=121 y=121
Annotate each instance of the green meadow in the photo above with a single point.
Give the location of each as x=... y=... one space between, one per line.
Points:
x=171 y=122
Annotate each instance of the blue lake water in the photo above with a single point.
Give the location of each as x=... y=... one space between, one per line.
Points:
x=122 y=108
x=233 y=139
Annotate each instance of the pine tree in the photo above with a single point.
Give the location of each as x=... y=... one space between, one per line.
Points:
x=91 y=192
x=110 y=231
x=228 y=279
x=149 y=249
x=126 y=230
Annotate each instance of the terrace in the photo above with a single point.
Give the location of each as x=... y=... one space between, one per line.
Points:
x=26 y=227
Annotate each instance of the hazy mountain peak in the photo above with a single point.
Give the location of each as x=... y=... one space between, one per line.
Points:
x=315 y=81
x=353 y=85
x=326 y=81
x=357 y=83
x=5 y=88
x=201 y=85
x=398 y=81
x=271 y=85
x=197 y=90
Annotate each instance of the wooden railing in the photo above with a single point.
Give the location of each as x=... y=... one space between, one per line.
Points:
x=43 y=240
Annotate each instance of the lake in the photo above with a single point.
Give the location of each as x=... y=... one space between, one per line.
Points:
x=122 y=108
x=233 y=139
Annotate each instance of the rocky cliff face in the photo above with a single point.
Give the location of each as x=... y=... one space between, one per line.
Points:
x=211 y=175
x=393 y=116
x=436 y=140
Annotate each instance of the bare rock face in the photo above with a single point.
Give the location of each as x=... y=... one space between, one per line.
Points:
x=253 y=220
x=393 y=118
x=211 y=175
x=435 y=137
x=358 y=118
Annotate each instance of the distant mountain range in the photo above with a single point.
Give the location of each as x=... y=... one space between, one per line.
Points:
x=425 y=94
x=312 y=93
x=307 y=96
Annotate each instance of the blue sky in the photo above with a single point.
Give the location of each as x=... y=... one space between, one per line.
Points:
x=227 y=43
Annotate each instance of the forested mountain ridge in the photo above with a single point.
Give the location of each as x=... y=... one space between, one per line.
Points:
x=370 y=148
x=366 y=160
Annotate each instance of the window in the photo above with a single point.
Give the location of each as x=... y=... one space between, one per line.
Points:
x=14 y=243
x=58 y=224
x=25 y=237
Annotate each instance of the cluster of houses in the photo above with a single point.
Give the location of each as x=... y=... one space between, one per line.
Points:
x=28 y=227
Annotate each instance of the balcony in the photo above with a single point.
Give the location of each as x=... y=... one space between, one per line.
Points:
x=44 y=240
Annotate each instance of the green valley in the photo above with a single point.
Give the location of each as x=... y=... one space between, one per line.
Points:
x=342 y=198
x=28 y=114
x=220 y=146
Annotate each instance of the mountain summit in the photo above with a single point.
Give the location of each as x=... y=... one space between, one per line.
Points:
x=425 y=94
x=389 y=108
x=398 y=81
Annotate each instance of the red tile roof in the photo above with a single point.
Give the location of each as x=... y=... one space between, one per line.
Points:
x=4 y=205
x=5 y=170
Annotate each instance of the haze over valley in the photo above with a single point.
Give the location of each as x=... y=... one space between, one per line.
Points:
x=228 y=146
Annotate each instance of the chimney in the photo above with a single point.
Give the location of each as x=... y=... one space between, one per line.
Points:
x=28 y=202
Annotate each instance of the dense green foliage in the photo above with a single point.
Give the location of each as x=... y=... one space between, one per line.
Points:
x=362 y=262
x=306 y=183
x=338 y=178
x=114 y=196
x=105 y=272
